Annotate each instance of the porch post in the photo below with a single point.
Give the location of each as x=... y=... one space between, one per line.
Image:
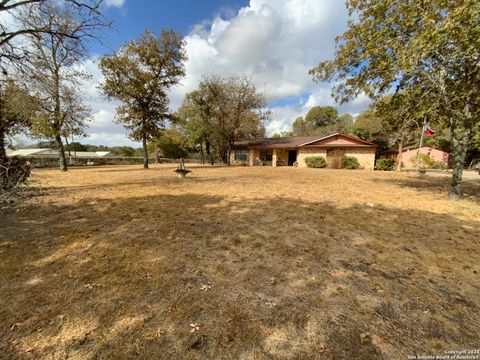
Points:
x=274 y=158
x=250 y=157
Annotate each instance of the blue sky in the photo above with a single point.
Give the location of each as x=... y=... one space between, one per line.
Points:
x=273 y=42
x=132 y=17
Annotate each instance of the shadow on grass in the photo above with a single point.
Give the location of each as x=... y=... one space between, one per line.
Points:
x=153 y=167
x=436 y=185
x=277 y=278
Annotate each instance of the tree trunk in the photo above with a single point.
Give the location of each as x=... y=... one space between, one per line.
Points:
x=3 y=151
x=399 y=157
x=145 y=152
x=229 y=151
x=61 y=153
x=208 y=150
x=459 y=151
x=202 y=155
x=68 y=147
x=224 y=156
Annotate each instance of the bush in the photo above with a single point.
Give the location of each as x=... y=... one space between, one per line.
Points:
x=385 y=164
x=438 y=165
x=316 y=162
x=350 y=162
x=424 y=162
x=13 y=172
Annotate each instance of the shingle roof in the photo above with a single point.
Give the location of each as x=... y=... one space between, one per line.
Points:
x=277 y=142
x=300 y=141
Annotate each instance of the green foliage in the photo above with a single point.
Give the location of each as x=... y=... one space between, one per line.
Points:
x=170 y=147
x=344 y=124
x=425 y=161
x=316 y=161
x=47 y=144
x=220 y=112
x=140 y=75
x=438 y=165
x=350 y=162
x=385 y=164
x=400 y=117
x=368 y=126
x=320 y=116
x=428 y=48
x=121 y=151
x=322 y=121
x=76 y=146
x=440 y=141
x=283 y=134
x=302 y=127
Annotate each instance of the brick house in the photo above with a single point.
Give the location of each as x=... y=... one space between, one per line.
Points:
x=294 y=150
x=409 y=156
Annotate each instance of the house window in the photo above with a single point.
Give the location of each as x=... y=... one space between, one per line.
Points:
x=266 y=155
x=241 y=155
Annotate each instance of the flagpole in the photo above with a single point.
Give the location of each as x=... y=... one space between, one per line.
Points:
x=421 y=143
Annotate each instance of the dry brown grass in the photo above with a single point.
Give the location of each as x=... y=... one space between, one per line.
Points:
x=117 y=262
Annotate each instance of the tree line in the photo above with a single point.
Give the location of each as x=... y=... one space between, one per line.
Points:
x=386 y=122
x=45 y=76
x=39 y=58
x=418 y=61
x=424 y=54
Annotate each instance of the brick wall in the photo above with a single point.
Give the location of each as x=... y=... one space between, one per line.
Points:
x=366 y=157
x=303 y=153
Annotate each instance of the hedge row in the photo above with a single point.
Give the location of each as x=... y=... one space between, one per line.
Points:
x=319 y=162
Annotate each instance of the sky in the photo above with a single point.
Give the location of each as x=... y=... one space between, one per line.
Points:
x=272 y=42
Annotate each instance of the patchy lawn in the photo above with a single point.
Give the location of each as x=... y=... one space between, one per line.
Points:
x=240 y=263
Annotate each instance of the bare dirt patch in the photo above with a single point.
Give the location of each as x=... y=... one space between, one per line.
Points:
x=252 y=263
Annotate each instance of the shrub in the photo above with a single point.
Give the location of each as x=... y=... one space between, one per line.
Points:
x=13 y=172
x=438 y=165
x=385 y=164
x=424 y=162
x=316 y=162
x=350 y=162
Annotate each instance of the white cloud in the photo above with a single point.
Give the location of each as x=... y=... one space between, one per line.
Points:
x=273 y=42
x=102 y=127
x=114 y=3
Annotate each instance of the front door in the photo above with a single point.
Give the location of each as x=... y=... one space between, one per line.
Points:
x=292 y=157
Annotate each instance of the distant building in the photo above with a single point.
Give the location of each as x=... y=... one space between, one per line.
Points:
x=52 y=153
x=409 y=156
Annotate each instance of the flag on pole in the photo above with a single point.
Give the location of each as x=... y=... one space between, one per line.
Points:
x=429 y=132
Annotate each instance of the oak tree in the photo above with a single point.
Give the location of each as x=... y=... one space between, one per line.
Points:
x=223 y=111
x=430 y=45
x=139 y=75
x=322 y=116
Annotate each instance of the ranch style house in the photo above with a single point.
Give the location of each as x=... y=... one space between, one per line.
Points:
x=292 y=151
